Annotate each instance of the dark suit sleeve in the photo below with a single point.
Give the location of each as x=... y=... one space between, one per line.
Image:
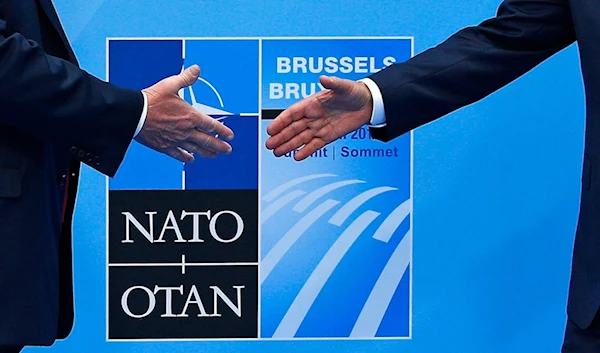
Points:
x=472 y=63
x=52 y=99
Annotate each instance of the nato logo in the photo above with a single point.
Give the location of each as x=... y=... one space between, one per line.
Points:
x=227 y=89
x=335 y=262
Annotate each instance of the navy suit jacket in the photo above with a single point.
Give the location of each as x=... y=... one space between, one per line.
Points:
x=479 y=60
x=53 y=116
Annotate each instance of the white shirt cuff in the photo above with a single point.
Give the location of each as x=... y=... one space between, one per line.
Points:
x=378 y=115
x=143 y=117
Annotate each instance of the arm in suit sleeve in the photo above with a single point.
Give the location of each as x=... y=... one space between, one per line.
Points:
x=471 y=64
x=52 y=99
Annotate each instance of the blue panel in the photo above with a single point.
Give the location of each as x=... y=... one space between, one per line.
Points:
x=338 y=262
x=231 y=68
x=237 y=170
x=392 y=323
x=139 y=64
x=229 y=83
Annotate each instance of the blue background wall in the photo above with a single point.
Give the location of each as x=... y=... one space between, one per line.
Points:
x=496 y=184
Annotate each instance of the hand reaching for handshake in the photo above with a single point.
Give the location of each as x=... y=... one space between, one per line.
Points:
x=316 y=121
x=175 y=128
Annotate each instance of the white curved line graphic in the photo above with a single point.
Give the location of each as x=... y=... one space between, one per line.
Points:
x=303 y=204
x=291 y=237
x=343 y=213
x=376 y=305
x=209 y=85
x=296 y=313
x=279 y=204
x=392 y=222
x=287 y=185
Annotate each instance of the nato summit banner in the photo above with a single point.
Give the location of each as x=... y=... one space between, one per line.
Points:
x=249 y=246
x=335 y=228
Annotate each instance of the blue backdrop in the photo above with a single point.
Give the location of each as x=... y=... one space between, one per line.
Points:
x=496 y=184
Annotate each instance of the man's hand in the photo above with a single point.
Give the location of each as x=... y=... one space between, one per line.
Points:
x=175 y=128
x=344 y=106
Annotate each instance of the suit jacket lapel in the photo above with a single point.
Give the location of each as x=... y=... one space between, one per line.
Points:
x=53 y=16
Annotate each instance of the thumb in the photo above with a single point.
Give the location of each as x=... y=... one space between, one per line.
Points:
x=336 y=84
x=186 y=78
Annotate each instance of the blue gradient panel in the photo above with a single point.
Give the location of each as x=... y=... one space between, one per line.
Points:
x=347 y=290
x=229 y=85
x=392 y=322
x=336 y=238
x=139 y=64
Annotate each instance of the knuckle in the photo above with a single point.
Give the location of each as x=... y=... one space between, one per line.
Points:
x=294 y=127
x=206 y=140
x=186 y=78
x=203 y=121
x=190 y=120
x=306 y=138
x=210 y=125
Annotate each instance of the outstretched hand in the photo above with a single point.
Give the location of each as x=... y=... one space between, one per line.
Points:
x=344 y=106
x=175 y=128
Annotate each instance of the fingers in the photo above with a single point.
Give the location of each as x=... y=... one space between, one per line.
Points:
x=188 y=77
x=209 y=142
x=213 y=126
x=294 y=142
x=313 y=146
x=195 y=149
x=179 y=154
x=174 y=84
x=287 y=134
x=287 y=125
x=291 y=114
